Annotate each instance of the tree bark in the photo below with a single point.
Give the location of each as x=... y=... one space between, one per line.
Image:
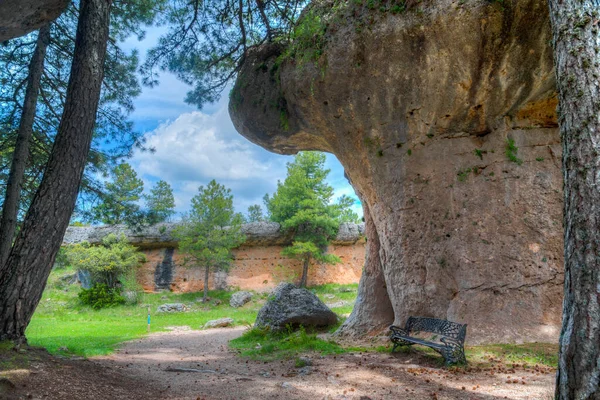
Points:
x=575 y=26
x=205 y=295
x=373 y=309
x=304 y=278
x=24 y=276
x=10 y=209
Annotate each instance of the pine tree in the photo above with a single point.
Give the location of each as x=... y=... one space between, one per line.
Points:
x=210 y=230
x=302 y=204
x=160 y=203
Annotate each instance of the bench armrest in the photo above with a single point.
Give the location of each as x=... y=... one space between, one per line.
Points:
x=396 y=330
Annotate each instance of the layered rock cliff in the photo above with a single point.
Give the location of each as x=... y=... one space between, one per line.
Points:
x=443 y=116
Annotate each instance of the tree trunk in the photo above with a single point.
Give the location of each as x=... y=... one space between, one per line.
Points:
x=10 y=210
x=576 y=42
x=205 y=296
x=372 y=310
x=304 y=278
x=24 y=276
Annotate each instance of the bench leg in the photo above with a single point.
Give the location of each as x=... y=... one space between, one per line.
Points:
x=454 y=354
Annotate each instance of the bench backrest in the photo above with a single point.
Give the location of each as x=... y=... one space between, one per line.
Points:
x=441 y=327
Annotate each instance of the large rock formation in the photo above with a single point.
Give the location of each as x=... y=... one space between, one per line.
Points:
x=443 y=117
x=19 y=17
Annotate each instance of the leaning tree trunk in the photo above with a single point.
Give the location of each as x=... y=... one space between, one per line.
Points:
x=575 y=25
x=304 y=278
x=24 y=276
x=10 y=209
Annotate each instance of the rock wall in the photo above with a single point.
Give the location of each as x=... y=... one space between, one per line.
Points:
x=19 y=17
x=443 y=117
x=258 y=264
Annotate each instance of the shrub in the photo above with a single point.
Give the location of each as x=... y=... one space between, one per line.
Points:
x=106 y=263
x=101 y=296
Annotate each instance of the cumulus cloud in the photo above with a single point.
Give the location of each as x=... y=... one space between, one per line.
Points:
x=196 y=147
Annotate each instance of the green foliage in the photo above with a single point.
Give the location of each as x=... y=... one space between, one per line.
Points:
x=511 y=151
x=302 y=204
x=286 y=344
x=106 y=263
x=118 y=204
x=463 y=174
x=206 y=41
x=160 y=203
x=255 y=214
x=307 y=39
x=101 y=296
x=479 y=153
x=211 y=229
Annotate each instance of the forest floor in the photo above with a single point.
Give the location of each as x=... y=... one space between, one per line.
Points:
x=200 y=364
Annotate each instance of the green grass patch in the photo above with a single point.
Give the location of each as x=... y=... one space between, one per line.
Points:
x=263 y=345
x=528 y=355
x=63 y=325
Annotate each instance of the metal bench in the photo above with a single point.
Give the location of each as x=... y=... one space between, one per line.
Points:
x=451 y=336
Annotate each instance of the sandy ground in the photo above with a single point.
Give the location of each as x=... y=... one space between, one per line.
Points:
x=185 y=364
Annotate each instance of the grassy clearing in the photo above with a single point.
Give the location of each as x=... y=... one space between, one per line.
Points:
x=63 y=325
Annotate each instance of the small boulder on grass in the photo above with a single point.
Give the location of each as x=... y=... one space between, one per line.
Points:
x=218 y=323
x=172 y=307
x=291 y=305
x=238 y=299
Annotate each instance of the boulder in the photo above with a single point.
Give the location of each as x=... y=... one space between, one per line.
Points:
x=290 y=305
x=172 y=307
x=218 y=323
x=444 y=118
x=238 y=299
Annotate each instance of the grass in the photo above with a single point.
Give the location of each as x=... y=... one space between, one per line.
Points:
x=62 y=325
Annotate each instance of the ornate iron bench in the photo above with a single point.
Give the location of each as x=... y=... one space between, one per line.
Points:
x=451 y=337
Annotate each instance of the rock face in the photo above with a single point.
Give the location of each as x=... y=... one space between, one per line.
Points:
x=239 y=299
x=290 y=305
x=443 y=117
x=23 y=16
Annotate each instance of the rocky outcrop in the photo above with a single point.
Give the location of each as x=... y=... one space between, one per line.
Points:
x=289 y=305
x=161 y=235
x=23 y=16
x=239 y=299
x=443 y=117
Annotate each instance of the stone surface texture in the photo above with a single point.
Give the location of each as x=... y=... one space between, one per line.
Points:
x=19 y=17
x=239 y=299
x=218 y=323
x=294 y=306
x=419 y=107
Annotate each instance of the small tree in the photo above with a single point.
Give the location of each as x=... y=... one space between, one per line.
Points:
x=255 y=214
x=160 y=203
x=302 y=204
x=210 y=230
x=118 y=203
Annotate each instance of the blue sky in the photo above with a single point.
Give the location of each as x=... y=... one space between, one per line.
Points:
x=194 y=146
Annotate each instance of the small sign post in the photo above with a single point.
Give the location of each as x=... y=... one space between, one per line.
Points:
x=148 y=319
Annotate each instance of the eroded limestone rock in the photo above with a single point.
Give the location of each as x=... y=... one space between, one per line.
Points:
x=239 y=299
x=444 y=119
x=19 y=17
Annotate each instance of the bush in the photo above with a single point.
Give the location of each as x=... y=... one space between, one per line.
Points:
x=107 y=263
x=101 y=296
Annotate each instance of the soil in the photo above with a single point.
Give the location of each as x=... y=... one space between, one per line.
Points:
x=187 y=364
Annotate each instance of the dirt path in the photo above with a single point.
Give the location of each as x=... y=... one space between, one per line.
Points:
x=199 y=365
x=221 y=374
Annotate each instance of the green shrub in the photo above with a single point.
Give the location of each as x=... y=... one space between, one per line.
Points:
x=101 y=296
x=106 y=263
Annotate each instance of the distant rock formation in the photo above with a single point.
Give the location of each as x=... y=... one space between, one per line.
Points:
x=443 y=117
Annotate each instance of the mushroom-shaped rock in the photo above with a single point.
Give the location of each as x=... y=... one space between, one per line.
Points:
x=443 y=117
x=294 y=306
